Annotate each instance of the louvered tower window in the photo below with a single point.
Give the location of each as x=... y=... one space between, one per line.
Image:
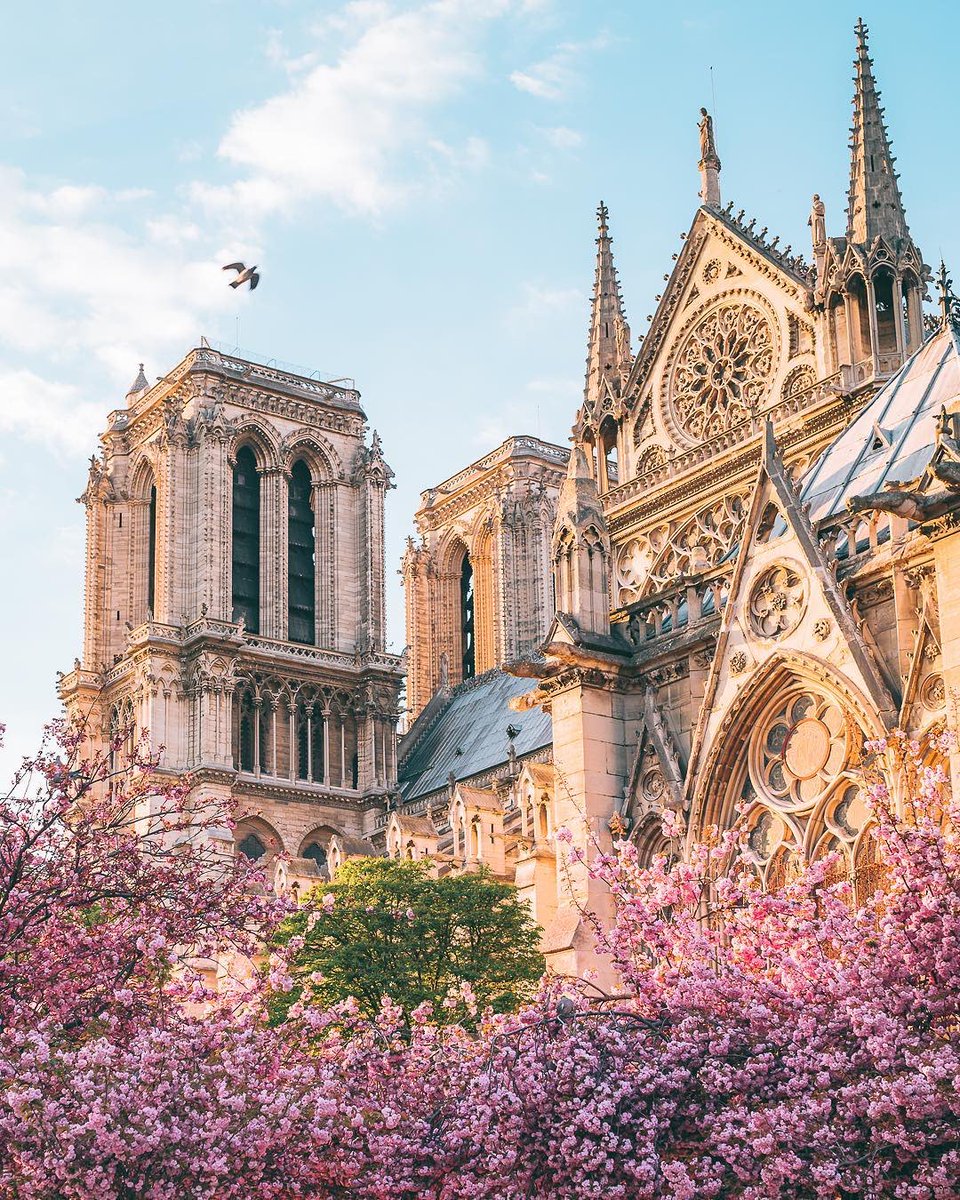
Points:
x=246 y=541
x=301 y=557
x=152 y=553
x=466 y=618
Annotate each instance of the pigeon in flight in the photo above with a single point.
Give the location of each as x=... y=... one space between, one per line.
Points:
x=244 y=275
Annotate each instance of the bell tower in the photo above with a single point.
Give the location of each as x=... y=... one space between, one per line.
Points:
x=234 y=600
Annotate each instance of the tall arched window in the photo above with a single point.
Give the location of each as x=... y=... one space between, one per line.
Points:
x=152 y=551
x=466 y=618
x=301 y=557
x=246 y=540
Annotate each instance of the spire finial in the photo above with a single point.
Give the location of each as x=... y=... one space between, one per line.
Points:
x=709 y=162
x=874 y=205
x=949 y=304
x=603 y=216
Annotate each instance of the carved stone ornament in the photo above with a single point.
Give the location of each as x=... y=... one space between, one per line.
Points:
x=799 y=379
x=777 y=601
x=738 y=662
x=932 y=693
x=712 y=271
x=655 y=560
x=821 y=629
x=723 y=370
x=652 y=785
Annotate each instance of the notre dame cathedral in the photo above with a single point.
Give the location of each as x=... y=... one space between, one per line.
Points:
x=740 y=571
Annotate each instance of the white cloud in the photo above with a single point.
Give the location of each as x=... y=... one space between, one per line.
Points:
x=91 y=297
x=533 y=411
x=53 y=413
x=554 y=76
x=539 y=302
x=357 y=130
x=562 y=138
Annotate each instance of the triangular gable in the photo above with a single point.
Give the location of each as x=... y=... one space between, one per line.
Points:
x=802 y=613
x=924 y=695
x=656 y=775
x=718 y=253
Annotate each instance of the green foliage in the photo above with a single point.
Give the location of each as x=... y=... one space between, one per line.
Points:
x=392 y=930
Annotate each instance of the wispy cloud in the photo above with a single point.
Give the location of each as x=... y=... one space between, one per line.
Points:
x=93 y=282
x=532 y=411
x=538 y=302
x=562 y=138
x=357 y=128
x=553 y=77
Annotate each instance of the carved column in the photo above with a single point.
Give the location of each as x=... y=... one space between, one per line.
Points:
x=170 y=518
x=853 y=332
x=325 y=571
x=872 y=313
x=273 y=552
x=93 y=581
x=214 y=535
x=898 y=315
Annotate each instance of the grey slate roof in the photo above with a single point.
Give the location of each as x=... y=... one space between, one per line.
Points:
x=473 y=721
x=893 y=438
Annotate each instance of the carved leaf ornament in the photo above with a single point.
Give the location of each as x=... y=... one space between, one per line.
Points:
x=777 y=601
x=722 y=370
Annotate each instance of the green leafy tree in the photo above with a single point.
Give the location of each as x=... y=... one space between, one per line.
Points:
x=385 y=927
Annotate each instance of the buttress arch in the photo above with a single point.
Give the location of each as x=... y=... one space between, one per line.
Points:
x=784 y=765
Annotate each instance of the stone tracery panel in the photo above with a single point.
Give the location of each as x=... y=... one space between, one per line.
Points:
x=801 y=801
x=656 y=559
x=722 y=370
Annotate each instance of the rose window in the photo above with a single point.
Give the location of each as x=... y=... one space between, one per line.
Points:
x=723 y=370
x=801 y=750
x=777 y=601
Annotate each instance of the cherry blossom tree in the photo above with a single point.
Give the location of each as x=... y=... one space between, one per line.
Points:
x=797 y=1044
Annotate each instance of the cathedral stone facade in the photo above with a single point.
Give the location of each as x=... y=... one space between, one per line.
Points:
x=746 y=565
x=234 y=602
x=480 y=577
x=755 y=554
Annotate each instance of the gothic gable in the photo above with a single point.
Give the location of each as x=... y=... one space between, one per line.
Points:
x=732 y=335
x=785 y=613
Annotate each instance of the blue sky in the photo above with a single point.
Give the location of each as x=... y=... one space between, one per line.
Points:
x=418 y=183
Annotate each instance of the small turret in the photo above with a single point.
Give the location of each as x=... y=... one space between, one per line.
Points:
x=581 y=549
x=140 y=384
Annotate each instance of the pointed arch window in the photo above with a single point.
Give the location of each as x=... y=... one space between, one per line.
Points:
x=301 y=557
x=152 y=552
x=469 y=661
x=251 y=847
x=246 y=540
x=318 y=855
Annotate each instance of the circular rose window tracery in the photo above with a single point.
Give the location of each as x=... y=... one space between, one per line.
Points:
x=723 y=370
x=801 y=749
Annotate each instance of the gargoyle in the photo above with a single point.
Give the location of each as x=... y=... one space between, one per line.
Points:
x=912 y=506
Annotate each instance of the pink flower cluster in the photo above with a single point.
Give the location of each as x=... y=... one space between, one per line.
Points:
x=762 y=1045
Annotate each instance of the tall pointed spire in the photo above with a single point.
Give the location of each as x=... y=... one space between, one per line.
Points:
x=608 y=350
x=874 y=205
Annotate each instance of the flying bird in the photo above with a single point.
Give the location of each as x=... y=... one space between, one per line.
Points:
x=245 y=274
